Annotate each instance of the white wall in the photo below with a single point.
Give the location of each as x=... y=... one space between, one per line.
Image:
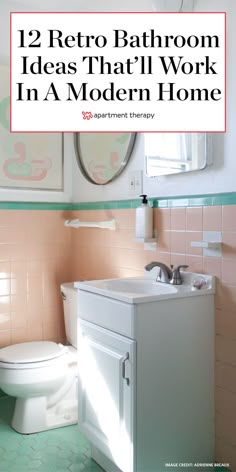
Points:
x=220 y=177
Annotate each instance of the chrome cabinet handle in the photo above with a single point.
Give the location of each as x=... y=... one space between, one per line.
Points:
x=126 y=358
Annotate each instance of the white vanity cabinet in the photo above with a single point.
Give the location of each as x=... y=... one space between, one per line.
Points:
x=106 y=405
x=146 y=394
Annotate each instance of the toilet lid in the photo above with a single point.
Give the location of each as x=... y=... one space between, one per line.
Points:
x=29 y=352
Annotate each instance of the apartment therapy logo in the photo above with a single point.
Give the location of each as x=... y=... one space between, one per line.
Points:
x=128 y=67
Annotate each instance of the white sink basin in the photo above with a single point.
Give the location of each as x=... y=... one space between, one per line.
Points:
x=146 y=289
x=136 y=285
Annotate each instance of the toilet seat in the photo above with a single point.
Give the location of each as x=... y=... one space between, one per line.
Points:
x=30 y=354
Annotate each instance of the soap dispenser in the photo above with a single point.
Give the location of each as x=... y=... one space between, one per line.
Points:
x=144 y=220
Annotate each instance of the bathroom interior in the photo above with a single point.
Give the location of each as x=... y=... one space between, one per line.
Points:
x=39 y=252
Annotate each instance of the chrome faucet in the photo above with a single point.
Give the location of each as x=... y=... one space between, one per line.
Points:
x=167 y=275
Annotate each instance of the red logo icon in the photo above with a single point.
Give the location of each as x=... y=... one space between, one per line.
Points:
x=87 y=115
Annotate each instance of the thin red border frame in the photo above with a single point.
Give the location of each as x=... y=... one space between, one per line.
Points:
x=117 y=13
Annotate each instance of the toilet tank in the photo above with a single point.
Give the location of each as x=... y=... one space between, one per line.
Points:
x=70 y=304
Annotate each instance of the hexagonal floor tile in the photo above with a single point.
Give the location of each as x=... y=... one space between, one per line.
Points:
x=58 y=450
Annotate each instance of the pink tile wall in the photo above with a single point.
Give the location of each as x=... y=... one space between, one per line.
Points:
x=34 y=260
x=101 y=253
x=37 y=253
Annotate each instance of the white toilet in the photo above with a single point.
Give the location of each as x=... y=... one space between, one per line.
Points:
x=43 y=376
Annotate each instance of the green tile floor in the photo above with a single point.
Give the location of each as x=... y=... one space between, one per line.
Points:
x=58 y=450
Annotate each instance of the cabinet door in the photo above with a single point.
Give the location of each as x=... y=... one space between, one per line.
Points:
x=106 y=392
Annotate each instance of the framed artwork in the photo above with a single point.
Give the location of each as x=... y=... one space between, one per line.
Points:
x=27 y=160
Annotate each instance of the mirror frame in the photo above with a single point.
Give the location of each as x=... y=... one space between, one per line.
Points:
x=82 y=167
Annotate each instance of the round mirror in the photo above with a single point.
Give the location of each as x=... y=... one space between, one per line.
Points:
x=103 y=156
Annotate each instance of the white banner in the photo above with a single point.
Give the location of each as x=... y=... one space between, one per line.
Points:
x=96 y=72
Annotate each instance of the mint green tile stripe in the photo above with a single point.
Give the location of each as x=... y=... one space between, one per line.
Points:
x=111 y=205
x=198 y=200
x=34 y=206
x=170 y=202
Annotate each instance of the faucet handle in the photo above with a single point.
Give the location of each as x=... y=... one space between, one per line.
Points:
x=176 y=276
x=183 y=266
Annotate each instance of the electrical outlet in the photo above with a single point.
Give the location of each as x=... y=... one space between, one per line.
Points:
x=131 y=183
x=138 y=182
x=135 y=182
